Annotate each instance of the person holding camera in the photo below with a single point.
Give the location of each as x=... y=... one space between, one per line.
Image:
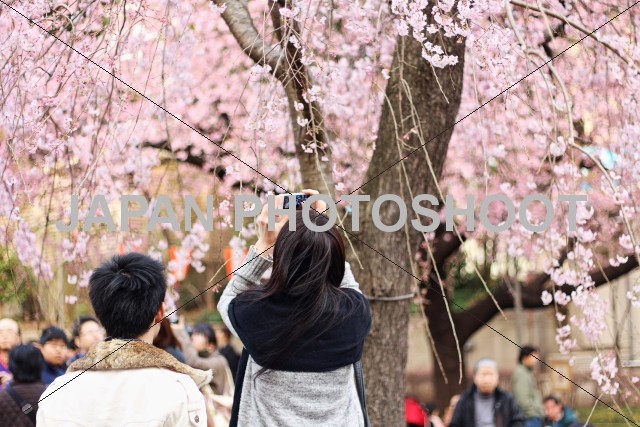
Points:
x=303 y=331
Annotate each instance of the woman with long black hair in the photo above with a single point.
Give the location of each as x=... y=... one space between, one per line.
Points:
x=303 y=331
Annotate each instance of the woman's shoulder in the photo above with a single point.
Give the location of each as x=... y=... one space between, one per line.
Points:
x=353 y=299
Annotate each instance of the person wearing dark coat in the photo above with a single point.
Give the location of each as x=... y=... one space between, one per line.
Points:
x=223 y=335
x=167 y=341
x=559 y=415
x=26 y=364
x=485 y=404
x=53 y=345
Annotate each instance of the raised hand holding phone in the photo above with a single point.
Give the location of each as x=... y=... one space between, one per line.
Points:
x=266 y=238
x=319 y=205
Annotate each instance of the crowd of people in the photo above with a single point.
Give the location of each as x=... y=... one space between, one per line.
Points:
x=485 y=404
x=302 y=332
x=26 y=369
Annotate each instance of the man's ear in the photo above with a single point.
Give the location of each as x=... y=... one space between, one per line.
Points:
x=76 y=341
x=161 y=313
x=37 y=345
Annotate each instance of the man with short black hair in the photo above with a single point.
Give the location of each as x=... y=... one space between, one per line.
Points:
x=525 y=388
x=53 y=344
x=485 y=404
x=125 y=380
x=557 y=414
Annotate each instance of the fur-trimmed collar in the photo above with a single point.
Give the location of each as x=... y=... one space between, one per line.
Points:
x=126 y=354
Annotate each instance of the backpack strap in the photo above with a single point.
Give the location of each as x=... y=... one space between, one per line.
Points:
x=357 y=368
x=25 y=406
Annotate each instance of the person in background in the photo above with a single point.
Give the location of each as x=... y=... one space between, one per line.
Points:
x=86 y=332
x=525 y=387
x=416 y=414
x=26 y=364
x=558 y=415
x=9 y=338
x=223 y=336
x=167 y=341
x=53 y=344
x=125 y=380
x=201 y=353
x=434 y=415
x=485 y=404
x=448 y=413
x=303 y=330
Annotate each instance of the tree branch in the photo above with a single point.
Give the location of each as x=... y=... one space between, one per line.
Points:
x=252 y=43
x=469 y=321
x=568 y=21
x=286 y=65
x=197 y=161
x=444 y=245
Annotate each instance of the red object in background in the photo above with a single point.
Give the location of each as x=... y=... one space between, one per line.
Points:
x=179 y=275
x=415 y=414
x=233 y=258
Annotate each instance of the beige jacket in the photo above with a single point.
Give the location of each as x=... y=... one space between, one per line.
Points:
x=126 y=383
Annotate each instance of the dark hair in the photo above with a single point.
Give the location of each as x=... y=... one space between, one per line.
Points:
x=525 y=351
x=53 y=333
x=81 y=321
x=554 y=399
x=225 y=331
x=126 y=293
x=309 y=266
x=165 y=337
x=206 y=330
x=26 y=363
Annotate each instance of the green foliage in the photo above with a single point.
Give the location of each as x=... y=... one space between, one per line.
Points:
x=467 y=286
x=603 y=415
x=414 y=308
x=209 y=317
x=15 y=283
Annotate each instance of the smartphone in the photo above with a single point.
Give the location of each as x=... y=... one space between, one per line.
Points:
x=300 y=197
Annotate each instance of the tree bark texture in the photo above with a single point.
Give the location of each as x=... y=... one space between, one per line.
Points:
x=421 y=107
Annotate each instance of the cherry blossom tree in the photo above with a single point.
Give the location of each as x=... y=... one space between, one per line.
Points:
x=405 y=97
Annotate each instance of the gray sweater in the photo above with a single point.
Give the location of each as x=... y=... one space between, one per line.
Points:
x=281 y=398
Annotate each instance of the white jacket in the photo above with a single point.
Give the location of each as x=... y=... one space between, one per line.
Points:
x=132 y=384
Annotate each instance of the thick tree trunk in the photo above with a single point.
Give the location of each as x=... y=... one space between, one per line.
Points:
x=421 y=107
x=422 y=111
x=446 y=348
x=445 y=245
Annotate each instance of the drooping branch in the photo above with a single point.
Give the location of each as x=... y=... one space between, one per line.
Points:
x=240 y=23
x=285 y=61
x=445 y=245
x=483 y=311
x=420 y=107
x=576 y=25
